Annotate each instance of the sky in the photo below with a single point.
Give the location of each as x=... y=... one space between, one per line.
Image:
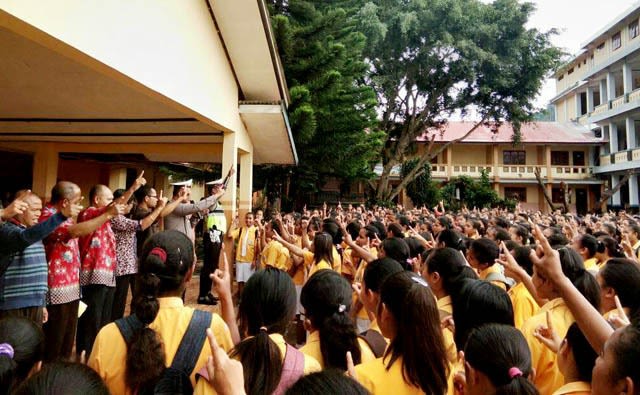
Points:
x=577 y=21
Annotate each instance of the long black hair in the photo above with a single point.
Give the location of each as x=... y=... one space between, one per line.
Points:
x=67 y=378
x=418 y=339
x=502 y=354
x=268 y=305
x=166 y=259
x=450 y=264
x=583 y=354
x=326 y=298
x=27 y=342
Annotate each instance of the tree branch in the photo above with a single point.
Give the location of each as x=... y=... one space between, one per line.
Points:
x=607 y=194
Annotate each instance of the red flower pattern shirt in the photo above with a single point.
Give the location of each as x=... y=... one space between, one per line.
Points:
x=97 y=251
x=63 y=259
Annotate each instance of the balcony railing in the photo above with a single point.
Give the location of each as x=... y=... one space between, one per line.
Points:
x=634 y=96
x=620 y=157
x=600 y=109
x=631 y=97
x=524 y=172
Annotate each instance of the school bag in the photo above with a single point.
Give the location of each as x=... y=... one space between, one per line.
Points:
x=175 y=378
x=495 y=276
x=376 y=342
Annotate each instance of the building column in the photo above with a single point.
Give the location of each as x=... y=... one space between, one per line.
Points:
x=631 y=132
x=448 y=154
x=229 y=159
x=547 y=162
x=590 y=93
x=615 y=199
x=613 y=138
x=578 y=104
x=246 y=183
x=633 y=191
x=611 y=86
x=45 y=170
x=603 y=91
x=627 y=78
x=117 y=178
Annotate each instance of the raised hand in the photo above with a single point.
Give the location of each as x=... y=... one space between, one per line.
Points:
x=221 y=278
x=351 y=369
x=18 y=206
x=225 y=374
x=547 y=335
x=619 y=318
x=140 y=180
x=162 y=200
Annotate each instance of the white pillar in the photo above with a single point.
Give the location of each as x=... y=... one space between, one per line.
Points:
x=45 y=170
x=578 y=105
x=611 y=86
x=246 y=183
x=230 y=158
x=615 y=199
x=603 y=91
x=627 y=77
x=589 y=100
x=633 y=190
x=117 y=178
x=631 y=132
x=613 y=138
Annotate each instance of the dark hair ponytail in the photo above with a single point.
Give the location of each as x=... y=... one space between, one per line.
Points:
x=418 y=339
x=26 y=340
x=623 y=276
x=450 y=264
x=268 y=305
x=502 y=354
x=583 y=353
x=166 y=258
x=64 y=378
x=326 y=298
x=585 y=282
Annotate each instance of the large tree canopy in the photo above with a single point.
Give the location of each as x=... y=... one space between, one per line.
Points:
x=332 y=109
x=432 y=59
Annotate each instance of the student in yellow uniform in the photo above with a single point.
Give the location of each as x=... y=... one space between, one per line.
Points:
x=477 y=303
x=587 y=246
x=608 y=248
x=266 y=309
x=166 y=265
x=576 y=359
x=445 y=271
x=524 y=304
x=548 y=377
x=415 y=361
x=274 y=254
x=497 y=361
x=247 y=239
x=374 y=275
x=482 y=255
x=619 y=277
x=326 y=299
x=321 y=258
x=633 y=232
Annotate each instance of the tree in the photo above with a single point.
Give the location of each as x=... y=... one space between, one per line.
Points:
x=332 y=110
x=422 y=190
x=431 y=59
x=470 y=192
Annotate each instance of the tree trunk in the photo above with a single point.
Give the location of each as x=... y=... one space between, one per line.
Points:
x=607 y=194
x=544 y=189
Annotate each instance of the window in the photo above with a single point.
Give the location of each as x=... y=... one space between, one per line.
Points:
x=600 y=47
x=560 y=158
x=634 y=29
x=514 y=157
x=556 y=195
x=616 y=41
x=570 y=71
x=578 y=158
x=516 y=193
x=561 y=77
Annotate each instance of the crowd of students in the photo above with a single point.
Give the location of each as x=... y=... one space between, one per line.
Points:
x=378 y=300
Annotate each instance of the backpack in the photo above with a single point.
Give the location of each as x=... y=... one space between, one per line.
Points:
x=376 y=342
x=175 y=379
x=495 y=276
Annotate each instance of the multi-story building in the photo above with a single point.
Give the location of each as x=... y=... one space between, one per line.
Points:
x=600 y=88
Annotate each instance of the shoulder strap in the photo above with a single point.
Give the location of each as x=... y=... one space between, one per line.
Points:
x=128 y=326
x=192 y=341
x=376 y=342
x=292 y=369
x=495 y=276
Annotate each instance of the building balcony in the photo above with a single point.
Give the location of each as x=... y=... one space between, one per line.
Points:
x=619 y=161
x=619 y=105
x=511 y=172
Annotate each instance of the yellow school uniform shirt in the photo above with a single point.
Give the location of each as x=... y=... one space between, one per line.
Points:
x=454 y=367
x=299 y=275
x=636 y=247
x=375 y=377
x=591 y=264
x=524 y=305
x=109 y=353
x=574 y=388
x=314 y=267
x=495 y=268
x=312 y=349
x=276 y=255
x=548 y=377
x=238 y=235
x=337 y=260
x=607 y=315
x=310 y=365
x=445 y=305
x=348 y=265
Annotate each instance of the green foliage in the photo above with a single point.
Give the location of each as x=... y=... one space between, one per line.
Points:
x=472 y=193
x=332 y=110
x=430 y=59
x=422 y=190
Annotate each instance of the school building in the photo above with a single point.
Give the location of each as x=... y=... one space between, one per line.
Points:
x=600 y=89
x=93 y=92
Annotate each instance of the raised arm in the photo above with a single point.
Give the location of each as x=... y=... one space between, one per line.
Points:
x=139 y=181
x=151 y=218
x=84 y=228
x=290 y=246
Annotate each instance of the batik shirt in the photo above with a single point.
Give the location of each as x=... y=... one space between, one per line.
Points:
x=97 y=252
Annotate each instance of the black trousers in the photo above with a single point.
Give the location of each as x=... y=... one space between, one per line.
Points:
x=210 y=262
x=99 y=300
x=60 y=331
x=120 y=296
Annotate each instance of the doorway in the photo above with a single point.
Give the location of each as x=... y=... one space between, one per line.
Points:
x=581 y=201
x=16 y=173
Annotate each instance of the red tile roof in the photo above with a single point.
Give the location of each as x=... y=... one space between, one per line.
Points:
x=532 y=133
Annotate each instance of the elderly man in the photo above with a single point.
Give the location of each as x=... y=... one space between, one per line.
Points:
x=23 y=263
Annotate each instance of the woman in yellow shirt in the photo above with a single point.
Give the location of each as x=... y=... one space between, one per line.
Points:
x=166 y=264
x=619 y=277
x=267 y=307
x=576 y=359
x=320 y=257
x=326 y=299
x=497 y=361
x=415 y=361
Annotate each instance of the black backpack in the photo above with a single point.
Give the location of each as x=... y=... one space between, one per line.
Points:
x=175 y=379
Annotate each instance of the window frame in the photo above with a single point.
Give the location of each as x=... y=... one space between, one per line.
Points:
x=616 y=41
x=514 y=157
